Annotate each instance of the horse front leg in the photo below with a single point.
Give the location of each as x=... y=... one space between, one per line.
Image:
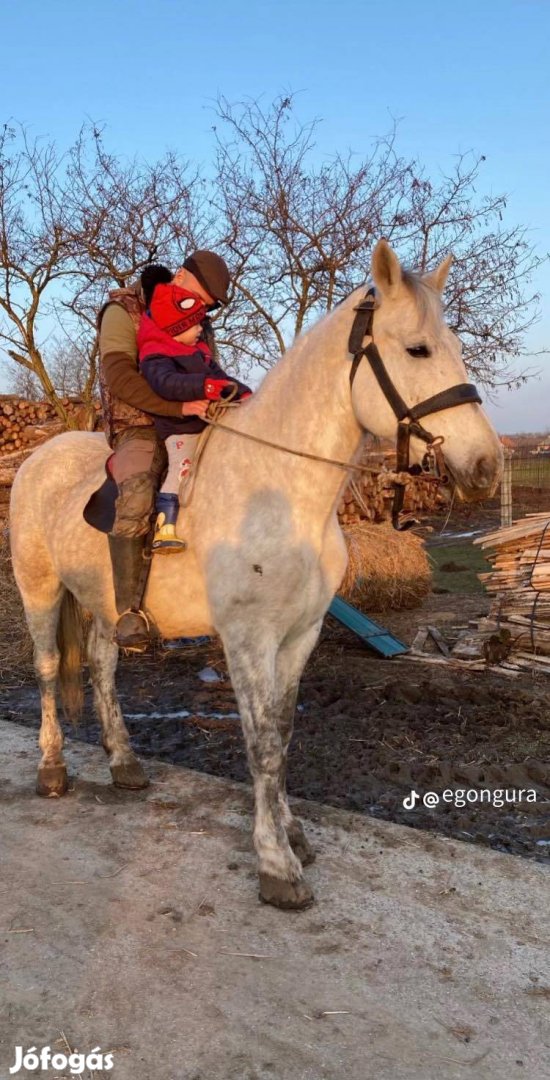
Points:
x=252 y=666
x=126 y=770
x=290 y=663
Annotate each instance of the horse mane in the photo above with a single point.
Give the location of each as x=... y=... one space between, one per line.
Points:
x=427 y=299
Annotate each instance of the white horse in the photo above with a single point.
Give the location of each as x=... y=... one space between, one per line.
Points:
x=265 y=552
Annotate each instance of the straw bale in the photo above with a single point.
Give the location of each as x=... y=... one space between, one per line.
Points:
x=386 y=569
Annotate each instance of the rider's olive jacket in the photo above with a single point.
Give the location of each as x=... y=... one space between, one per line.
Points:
x=127 y=398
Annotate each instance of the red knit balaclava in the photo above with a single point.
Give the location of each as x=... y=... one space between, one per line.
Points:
x=175 y=310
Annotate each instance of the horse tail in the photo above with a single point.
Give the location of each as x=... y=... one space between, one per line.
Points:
x=70 y=642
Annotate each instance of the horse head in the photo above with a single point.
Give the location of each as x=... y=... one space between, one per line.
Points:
x=412 y=371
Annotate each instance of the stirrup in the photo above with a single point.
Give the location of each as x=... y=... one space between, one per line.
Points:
x=140 y=637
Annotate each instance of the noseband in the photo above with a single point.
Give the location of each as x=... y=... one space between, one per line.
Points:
x=407 y=418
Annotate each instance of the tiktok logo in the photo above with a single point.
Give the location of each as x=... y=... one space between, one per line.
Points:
x=410 y=801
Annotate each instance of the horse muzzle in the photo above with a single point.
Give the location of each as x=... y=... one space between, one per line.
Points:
x=481 y=479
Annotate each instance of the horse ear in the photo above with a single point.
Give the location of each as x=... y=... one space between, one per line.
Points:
x=438 y=278
x=385 y=269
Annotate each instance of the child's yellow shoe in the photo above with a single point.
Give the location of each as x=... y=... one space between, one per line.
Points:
x=165 y=540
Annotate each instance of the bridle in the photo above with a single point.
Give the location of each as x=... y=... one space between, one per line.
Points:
x=407 y=418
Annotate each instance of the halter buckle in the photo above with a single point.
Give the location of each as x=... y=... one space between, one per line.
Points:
x=433 y=460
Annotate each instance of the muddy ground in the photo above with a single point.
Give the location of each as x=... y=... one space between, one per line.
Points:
x=367 y=731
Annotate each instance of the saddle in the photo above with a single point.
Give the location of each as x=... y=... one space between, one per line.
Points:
x=99 y=511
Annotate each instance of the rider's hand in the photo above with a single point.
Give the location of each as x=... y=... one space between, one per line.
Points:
x=194 y=408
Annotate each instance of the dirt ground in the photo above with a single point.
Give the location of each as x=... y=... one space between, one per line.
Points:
x=130 y=922
x=367 y=731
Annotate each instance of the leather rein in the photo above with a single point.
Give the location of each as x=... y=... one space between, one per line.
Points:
x=407 y=418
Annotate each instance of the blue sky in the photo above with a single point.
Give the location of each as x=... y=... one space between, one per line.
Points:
x=459 y=77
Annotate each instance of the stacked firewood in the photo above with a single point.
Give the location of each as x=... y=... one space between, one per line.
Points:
x=26 y=423
x=19 y=420
x=370 y=497
x=520 y=581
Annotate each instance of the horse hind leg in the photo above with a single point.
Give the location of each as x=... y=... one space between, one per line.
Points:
x=126 y=770
x=52 y=780
x=251 y=664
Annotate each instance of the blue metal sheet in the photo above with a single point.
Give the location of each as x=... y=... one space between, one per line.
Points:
x=373 y=635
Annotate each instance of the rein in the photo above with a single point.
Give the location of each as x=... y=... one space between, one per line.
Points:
x=219 y=408
x=433 y=464
x=346 y=465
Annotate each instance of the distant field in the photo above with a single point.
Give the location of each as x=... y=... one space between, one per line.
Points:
x=531 y=471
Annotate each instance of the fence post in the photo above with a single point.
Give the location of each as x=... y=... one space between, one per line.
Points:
x=506 y=489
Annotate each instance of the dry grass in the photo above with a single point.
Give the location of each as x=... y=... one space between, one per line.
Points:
x=386 y=569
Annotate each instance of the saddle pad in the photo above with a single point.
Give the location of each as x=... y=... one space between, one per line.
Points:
x=99 y=511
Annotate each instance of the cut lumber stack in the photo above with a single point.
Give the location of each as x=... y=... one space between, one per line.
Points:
x=520 y=581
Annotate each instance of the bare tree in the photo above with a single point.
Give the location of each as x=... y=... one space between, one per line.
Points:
x=70 y=371
x=35 y=252
x=23 y=382
x=299 y=236
x=68 y=368
x=72 y=226
x=297 y=233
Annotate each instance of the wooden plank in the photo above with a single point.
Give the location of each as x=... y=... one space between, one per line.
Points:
x=439 y=640
x=419 y=640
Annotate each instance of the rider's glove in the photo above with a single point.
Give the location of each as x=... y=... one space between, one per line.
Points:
x=217 y=389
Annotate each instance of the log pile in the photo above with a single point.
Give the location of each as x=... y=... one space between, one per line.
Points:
x=519 y=581
x=27 y=423
x=370 y=497
x=23 y=423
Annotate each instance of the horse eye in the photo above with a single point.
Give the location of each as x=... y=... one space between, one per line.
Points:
x=419 y=351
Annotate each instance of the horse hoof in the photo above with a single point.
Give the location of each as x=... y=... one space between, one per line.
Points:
x=288 y=895
x=130 y=776
x=52 y=781
x=300 y=845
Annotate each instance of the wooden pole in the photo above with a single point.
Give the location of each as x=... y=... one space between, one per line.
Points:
x=506 y=490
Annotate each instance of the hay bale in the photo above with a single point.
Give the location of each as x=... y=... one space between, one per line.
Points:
x=386 y=569
x=15 y=640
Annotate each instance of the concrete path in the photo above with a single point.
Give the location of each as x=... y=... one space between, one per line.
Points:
x=131 y=923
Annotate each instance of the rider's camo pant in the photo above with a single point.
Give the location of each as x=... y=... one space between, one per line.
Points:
x=137 y=465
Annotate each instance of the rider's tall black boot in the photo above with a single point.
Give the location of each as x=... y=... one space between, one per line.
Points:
x=129 y=577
